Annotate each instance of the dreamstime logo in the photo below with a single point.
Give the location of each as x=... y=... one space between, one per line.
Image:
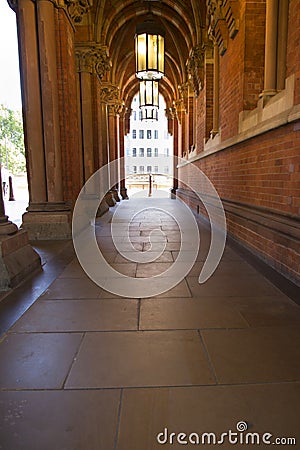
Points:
x=100 y=271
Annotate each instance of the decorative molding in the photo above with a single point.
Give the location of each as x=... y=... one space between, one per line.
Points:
x=92 y=58
x=77 y=9
x=223 y=20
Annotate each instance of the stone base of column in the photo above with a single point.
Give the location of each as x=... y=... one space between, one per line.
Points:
x=17 y=259
x=123 y=192
x=103 y=208
x=116 y=195
x=48 y=221
x=267 y=94
x=110 y=199
x=173 y=193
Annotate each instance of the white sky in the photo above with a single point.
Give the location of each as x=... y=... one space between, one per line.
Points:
x=10 y=94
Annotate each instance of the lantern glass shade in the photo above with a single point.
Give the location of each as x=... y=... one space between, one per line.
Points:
x=149 y=93
x=149 y=113
x=149 y=51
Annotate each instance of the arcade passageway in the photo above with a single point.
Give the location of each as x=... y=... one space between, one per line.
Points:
x=82 y=369
x=86 y=369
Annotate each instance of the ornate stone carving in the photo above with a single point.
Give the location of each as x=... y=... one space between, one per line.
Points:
x=195 y=68
x=179 y=108
x=223 y=21
x=110 y=93
x=93 y=59
x=115 y=109
x=77 y=9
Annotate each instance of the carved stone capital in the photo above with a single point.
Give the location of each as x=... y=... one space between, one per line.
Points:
x=170 y=113
x=77 y=9
x=115 y=109
x=195 y=68
x=110 y=93
x=92 y=58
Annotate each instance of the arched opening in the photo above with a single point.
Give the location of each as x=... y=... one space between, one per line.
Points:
x=148 y=153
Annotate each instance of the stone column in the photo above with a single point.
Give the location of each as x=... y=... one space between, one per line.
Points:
x=270 y=85
x=175 y=151
x=123 y=189
x=84 y=61
x=114 y=143
x=49 y=94
x=216 y=91
x=48 y=216
x=283 y=13
x=31 y=99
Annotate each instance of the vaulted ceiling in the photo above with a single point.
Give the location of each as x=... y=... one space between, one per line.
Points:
x=113 y=22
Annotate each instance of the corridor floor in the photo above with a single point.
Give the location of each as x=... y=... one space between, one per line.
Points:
x=86 y=369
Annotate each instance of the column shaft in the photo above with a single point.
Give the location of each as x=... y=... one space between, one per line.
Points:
x=271 y=48
x=31 y=99
x=49 y=90
x=282 y=43
x=216 y=90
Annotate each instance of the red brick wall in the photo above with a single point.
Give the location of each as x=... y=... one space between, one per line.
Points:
x=242 y=67
x=254 y=44
x=69 y=131
x=263 y=171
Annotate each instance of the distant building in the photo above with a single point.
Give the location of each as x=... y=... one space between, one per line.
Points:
x=148 y=146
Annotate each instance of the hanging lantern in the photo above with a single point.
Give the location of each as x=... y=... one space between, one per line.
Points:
x=148 y=93
x=149 y=51
x=149 y=113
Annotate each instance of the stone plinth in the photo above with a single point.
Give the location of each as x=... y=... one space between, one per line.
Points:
x=17 y=259
x=48 y=222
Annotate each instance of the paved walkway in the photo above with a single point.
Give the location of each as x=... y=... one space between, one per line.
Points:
x=84 y=369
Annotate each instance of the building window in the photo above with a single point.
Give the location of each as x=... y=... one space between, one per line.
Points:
x=134 y=169
x=134 y=115
x=149 y=152
x=166 y=169
x=155 y=134
x=127 y=151
x=149 y=134
x=141 y=134
x=141 y=169
x=140 y=115
x=156 y=151
x=155 y=169
x=149 y=169
x=133 y=134
x=134 y=152
x=141 y=152
x=166 y=152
